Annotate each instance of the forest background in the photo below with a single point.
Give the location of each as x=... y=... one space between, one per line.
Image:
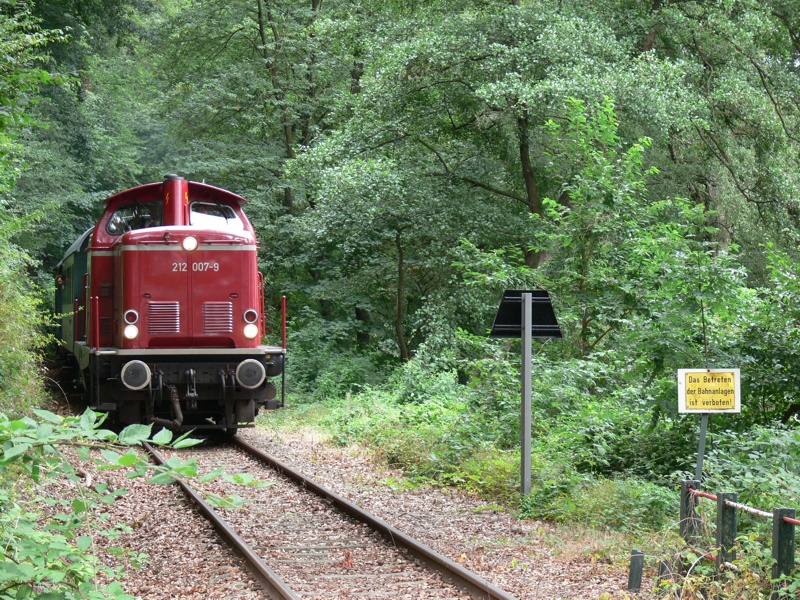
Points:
x=405 y=162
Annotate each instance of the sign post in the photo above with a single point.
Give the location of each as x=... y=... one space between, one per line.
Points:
x=526 y=418
x=526 y=314
x=708 y=391
x=701 y=447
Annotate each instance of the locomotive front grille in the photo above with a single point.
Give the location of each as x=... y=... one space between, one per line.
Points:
x=218 y=317
x=163 y=317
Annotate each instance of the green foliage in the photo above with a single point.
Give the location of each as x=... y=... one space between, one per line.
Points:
x=46 y=542
x=323 y=364
x=53 y=559
x=629 y=505
x=21 y=323
x=612 y=440
x=405 y=163
x=770 y=342
x=489 y=472
x=748 y=576
x=616 y=258
x=760 y=464
x=443 y=435
x=21 y=76
x=97 y=129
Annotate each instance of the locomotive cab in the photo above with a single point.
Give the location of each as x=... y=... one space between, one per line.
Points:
x=175 y=310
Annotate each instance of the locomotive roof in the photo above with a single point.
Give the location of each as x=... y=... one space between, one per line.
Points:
x=154 y=190
x=79 y=244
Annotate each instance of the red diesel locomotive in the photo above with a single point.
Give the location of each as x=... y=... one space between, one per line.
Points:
x=162 y=310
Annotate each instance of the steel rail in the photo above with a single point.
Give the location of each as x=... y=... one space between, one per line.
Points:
x=467 y=581
x=276 y=587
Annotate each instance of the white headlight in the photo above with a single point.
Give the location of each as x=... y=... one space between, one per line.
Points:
x=251 y=330
x=131 y=332
x=189 y=243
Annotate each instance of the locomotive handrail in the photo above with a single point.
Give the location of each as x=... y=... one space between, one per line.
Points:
x=76 y=322
x=88 y=333
x=160 y=242
x=95 y=325
x=262 y=304
x=85 y=304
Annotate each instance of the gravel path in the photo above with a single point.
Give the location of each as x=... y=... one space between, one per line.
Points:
x=526 y=558
x=186 y=560
x=318 y=551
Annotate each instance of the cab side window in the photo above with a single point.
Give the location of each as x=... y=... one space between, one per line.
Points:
x=215 y=216
x=137 y=215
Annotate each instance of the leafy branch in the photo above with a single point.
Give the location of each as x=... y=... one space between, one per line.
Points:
x=44 y=555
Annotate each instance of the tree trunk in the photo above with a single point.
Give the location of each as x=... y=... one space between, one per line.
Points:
x=362 y=335
x=271 y=63
x=650 y=38
x=355 y=76
x=531 y=190
x=534 y=202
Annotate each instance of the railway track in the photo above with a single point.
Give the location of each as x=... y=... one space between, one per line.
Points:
x=303 y=540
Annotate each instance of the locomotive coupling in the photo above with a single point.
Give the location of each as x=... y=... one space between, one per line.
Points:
x=191 y=389
x=177 y=413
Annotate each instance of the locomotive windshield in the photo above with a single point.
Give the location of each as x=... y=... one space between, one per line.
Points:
x=215 y=216
x=136 y=215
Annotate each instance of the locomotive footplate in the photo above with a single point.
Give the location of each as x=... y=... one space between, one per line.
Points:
x=189 y=390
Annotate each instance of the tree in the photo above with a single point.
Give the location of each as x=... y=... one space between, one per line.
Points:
x=21 y=77
x=246 y=86
x=736 y=151
x=382 y=240
x=95 y=125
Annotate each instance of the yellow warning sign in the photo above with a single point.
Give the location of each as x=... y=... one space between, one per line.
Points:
x=708 y=390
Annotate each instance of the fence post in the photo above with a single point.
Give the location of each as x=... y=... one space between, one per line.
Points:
x=726 y=529
x=783 y=543
x=664 y=573
x=690 y=523
x=635 y=573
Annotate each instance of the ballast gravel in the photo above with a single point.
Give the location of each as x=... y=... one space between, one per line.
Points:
x=185 y=559
x=318 y=551
x=529 y=559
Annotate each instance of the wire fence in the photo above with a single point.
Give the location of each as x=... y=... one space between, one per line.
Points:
x=784 y=523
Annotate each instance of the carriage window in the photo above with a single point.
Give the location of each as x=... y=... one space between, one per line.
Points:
x=215 y=216
x=134 y=216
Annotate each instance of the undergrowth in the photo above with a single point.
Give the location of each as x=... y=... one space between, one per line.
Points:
x=435 y=429
x=598 y=461
x=21 y=337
